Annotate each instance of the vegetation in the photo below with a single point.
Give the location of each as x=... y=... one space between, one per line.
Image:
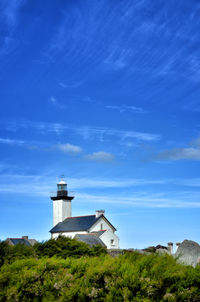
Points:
x=9 y=253
x=55 y=275
x=65 y=247
x=62 y=247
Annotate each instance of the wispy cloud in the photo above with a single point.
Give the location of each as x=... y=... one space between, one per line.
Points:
x=180 y=153
x=123 y=108
x=132 y=182
x=68 y=148
x=118 y=58
x=188 y=153
x=44 y=146
x=100 y=156
x=86 y=132
x=48 y=178
x=42 y=185
x=191 y=182
x=65 y=148
x=11 y=141
x=140 y=46
x=145 y=201
x=9 y=17
x=26 y=144
x=70 y=85
x=10 y=10
x=114 y=183
x=54 y=101
x=99 y=132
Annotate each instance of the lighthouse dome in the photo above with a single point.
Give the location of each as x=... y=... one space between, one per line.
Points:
x=62 y=182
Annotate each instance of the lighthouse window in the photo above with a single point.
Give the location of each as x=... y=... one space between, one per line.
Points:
x=101 y=226
x=112 y=241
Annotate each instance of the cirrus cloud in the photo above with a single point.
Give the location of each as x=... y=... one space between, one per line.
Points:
x=100 y=156
x=192 y=152
x=180 y=153
x=69 y=148
x=124 y=108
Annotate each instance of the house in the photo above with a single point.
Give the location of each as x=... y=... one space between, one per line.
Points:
x=92 y=229
x=24 y=240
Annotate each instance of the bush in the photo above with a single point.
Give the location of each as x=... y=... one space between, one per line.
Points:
x=10 y=253
x=66 y=247
x=129 y=277
x=61 y=247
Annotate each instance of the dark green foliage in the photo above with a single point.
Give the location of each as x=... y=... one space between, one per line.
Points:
x=10 y=253
x=4 y=252
x=66 y=270
x=65 y=247
x=129 y=277
x=62 y=247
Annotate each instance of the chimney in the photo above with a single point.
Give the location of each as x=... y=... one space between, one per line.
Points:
x=170 y=247
x=25 y=237
x=99 y=213
x=177 y=245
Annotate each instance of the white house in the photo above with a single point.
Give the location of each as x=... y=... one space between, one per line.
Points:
x=93 y=229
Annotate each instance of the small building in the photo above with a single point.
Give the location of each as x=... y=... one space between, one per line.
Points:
x=24 y=240
x=97 y=226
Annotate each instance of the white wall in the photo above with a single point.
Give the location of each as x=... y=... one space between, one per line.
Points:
x=97 y=226
x=67 y=234
x=107 y=236
x=61 y=210
x=67 y=209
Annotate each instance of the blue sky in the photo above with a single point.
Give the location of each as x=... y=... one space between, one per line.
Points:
x=108 y=94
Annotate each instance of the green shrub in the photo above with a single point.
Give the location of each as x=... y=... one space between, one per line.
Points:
x=4 y=252
x=129 y=277
x=10 y=253
x=66 y=247
x=68 y=270
x=61 y=247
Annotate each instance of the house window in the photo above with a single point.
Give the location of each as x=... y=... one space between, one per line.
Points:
x=112 y=242
x=101 y=226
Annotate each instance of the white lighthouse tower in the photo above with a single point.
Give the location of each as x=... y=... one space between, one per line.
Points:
x=61 y=203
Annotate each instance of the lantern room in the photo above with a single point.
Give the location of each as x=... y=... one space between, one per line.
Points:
x=62 y=188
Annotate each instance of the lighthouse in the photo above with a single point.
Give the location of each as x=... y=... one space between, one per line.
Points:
x=62 y=208
x=91 y=229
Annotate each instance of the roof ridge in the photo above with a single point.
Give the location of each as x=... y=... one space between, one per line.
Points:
x=86 y=234
x=17 y=238
x=79 y=216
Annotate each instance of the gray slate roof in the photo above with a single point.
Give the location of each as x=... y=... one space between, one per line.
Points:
x=90 y=239
x=74 y=224
x=99 y=233
x=16 y=241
